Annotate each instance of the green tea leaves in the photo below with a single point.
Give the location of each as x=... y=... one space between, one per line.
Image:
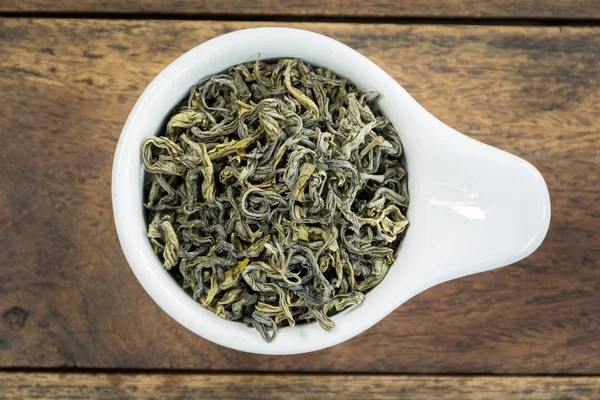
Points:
x=276 y=195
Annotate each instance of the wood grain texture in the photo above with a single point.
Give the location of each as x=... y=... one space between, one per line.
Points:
x=268 y=386
x=68 y=298
x=528 y=9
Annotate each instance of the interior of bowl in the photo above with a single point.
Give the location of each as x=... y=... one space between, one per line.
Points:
x=147 y=119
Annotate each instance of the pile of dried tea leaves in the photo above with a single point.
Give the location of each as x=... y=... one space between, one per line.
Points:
x=277 y=194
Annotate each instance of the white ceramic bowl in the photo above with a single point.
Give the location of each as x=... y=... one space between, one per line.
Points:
x=473 y=207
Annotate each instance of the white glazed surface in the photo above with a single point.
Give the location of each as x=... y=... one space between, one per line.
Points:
x=473 y=207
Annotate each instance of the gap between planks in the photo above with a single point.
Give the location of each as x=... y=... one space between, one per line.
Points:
x=367 y=19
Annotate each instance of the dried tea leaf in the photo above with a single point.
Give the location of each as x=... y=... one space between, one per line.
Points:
x=278 y=191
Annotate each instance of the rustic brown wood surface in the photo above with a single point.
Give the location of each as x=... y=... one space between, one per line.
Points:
x=269 y=386
x=520 y=9
x=68 y=298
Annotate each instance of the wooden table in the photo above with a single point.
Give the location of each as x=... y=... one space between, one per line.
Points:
x=75 y=323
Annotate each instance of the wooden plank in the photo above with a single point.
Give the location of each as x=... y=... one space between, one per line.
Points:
x=269 y=386
x=67 y=297
x=527 y=9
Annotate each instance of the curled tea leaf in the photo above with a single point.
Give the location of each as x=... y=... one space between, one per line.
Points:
x=276 y=195
x=163 y=237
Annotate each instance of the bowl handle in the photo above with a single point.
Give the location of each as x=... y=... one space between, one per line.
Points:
x=477 y=208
